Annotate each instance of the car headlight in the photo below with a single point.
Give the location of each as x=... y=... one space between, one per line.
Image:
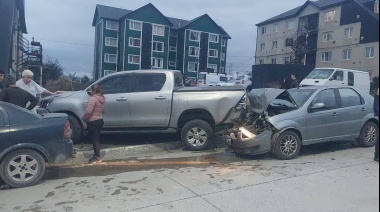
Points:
x=245 y=134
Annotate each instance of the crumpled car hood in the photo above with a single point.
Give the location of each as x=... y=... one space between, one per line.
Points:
x=259 y=99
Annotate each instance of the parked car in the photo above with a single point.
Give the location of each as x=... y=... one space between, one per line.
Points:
x=29 y=140
x=212 y=79
x=338 y=77
x=245 y=81
x=281 y=121
x=231 y=82
x=153 y=101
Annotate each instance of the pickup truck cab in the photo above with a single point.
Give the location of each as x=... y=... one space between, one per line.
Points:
x=153 y=101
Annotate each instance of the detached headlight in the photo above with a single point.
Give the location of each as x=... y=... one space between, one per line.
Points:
x=245 y=134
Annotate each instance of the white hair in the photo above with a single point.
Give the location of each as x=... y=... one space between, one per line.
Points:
x=27 y=72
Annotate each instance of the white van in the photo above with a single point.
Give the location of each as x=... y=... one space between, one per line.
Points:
x=212 y=79
x=338 y=76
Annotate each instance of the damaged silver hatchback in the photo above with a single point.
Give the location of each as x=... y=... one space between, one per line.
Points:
x=282 y=121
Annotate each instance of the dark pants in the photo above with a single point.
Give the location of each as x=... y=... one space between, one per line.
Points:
x=94 y=128
x=377 y=148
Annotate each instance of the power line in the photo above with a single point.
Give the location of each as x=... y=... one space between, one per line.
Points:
x=65 y=42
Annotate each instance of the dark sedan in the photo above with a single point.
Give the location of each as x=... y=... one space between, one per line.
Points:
x=29 y=140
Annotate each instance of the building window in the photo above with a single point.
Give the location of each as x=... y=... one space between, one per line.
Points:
x=134 y=59
x=134 y=25
x=158 y=30
x=111 y=42
x=327 y=36
x=213 y=53
x=172 y=48
x=214 y=38
x=262 y=47
x=263 y=30
x=134 y=42
x=158 y=46
x=286 y=60
x=348 y=33
x=222 y=70
x=110 y=58
x=290 y=24
x=193 y=51
x=274 y=45
x=224 y=42
x=108 y=72
x=376 y=7
x=192 y=67
x=275 y=28
x=369 y=52
x=213 y=66
x=326 y=56
x=261 y=61
x=171 y=63
x=329 y=16
x=274 y=61
x=223 y=56
x=157 y=63
x=112 y=25
x=347 y=54
x=194 y=36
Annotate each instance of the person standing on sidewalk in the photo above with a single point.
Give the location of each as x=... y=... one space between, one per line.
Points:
x=94 y=119
x=17 y=96
x=295 y=83
x=376 y=111
x=2 y=74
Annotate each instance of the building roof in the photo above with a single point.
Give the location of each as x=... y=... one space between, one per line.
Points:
x=109 y=12
x=117 y=13
x=321 y=4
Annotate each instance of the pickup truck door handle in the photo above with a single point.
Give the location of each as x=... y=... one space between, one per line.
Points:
x=335 y=114
x=122 y=99
x=364 y=109
x=160 y=98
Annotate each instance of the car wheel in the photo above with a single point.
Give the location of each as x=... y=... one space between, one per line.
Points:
x=288 y=146
x=369 y=135
x=77 y=132
x=197 y=135
x=22 y=168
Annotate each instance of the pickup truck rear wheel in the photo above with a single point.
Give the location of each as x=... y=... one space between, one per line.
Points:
x=197 y=135
x=77 y=129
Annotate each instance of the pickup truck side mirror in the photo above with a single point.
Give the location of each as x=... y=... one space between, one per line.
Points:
x=88 y=92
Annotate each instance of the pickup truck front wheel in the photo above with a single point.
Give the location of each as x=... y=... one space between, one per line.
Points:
x=77 y=129
x=197 y=135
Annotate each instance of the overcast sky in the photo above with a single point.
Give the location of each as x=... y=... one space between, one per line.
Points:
x=64 y=26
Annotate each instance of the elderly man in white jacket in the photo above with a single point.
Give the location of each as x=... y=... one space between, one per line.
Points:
x=27 y=83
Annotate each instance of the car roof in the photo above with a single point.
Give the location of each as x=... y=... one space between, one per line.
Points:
x=321 y=87
x=342 y=69
x=148 y=71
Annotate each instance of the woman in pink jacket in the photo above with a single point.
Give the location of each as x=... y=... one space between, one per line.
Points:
x=94 y=118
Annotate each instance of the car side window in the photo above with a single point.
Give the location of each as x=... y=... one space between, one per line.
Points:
x=2 y=123
x=117 y=84
x=351 y=79
x=350 y=98
x=149 y=82
x=328 y=98
x=338 y=76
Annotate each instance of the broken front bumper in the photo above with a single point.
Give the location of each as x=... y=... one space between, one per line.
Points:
x=260 y=144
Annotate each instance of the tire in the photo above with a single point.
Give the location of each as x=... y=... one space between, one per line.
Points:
x=76 y=127
x=287 y=146
x=197 y=135
x=31 y=166
x=369 y=135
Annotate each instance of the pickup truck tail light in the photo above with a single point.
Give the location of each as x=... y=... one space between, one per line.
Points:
x=242 y=82
x=67 y=131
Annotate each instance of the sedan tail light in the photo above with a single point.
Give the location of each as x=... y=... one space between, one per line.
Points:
x=67 y=131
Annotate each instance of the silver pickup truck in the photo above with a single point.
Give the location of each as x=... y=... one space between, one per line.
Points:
x=153 y=101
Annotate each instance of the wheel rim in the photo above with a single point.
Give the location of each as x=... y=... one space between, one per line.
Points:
x=197 y=136
x=289 y=145
x=22 y=168
x=370 y=134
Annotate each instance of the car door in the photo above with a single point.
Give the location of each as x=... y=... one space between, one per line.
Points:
x=323 y=124
x=117 y=95
x=4 y=129
x=353 y=111
x=151 y=100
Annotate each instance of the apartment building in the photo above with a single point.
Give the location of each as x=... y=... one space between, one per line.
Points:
x=12 y=28
x=146 y=39
x=324 y=33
